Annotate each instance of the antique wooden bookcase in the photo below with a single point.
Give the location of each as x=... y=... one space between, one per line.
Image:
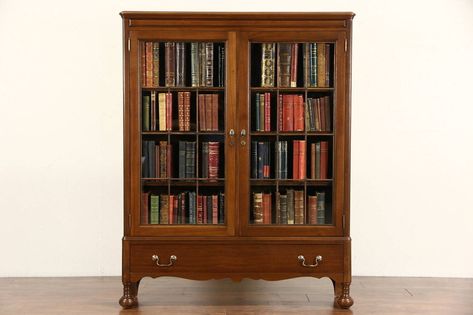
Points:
x=235 y=243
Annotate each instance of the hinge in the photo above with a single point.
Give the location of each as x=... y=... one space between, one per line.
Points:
x=346 y=44
x=129 y=44
x=343 y=221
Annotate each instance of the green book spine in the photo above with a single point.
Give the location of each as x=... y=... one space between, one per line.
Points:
x=195 y=66
x=146 y=112
x=154 y=212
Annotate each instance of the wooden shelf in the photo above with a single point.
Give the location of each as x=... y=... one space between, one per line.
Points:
x=183 y=133
x=290 y=182
x=291 y=133
x=292 y=89
x=183 y=89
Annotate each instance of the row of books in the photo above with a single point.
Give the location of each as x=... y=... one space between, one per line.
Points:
x=158 y=111
x=261 y=161
x=317 y=59
x=203 y=65
x=317 y=113
x=182 y=208
x=157 y=159
x=289 y=208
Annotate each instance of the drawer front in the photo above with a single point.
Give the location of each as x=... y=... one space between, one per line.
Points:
x=235 y=258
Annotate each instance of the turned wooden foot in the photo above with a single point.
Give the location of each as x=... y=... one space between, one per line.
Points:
x=342 y=295
x=130 y=295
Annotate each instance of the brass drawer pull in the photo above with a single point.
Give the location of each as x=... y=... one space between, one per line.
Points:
x=316 y=261
x=172 y=259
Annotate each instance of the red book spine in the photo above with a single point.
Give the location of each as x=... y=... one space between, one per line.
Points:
x=213 y=159
x=143 y=64
x=323 y=159
x=201 y=112
x=200 y=214
x=214 y=112
x=214 y=209
x=298 y=113
x=302 y=159
x=208 y=112
x=267 y=112
x=204 y=208
x=187 y=111
x=295 y=159
x=288 y=112
x=280 y=109
x=180 y=110
x=267 y=208
x=168 y=111
x=312 y=209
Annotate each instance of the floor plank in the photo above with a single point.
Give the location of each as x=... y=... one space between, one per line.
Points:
x=99 y=295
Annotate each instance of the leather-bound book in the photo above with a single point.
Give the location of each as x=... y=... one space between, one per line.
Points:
x=267 y=112
x=202 y=64
x=302 y=159
x=209 y=209
x=254 y=159
x=294 y=57
x=312 y=161
x=313 y=64
x=155 y=64
x=171 y=209
x=182 y=159
x=306 y=63
x=168 y=111
x=324 y=160
x=154 y=209
x=152 y=159
x=204 y=209
x=185 y=208
x=267 y=208
x=162 y=111
x=278 y=208
x=143 y=63
x=187 y=111
x=161 y=152
x=278 y=155
x=214 y=209
x=192 y=208
x=195 y=65
x=214 y=112
x=144 y=218
x=290 y=206
x=283 y=205
x=328 y=116
x=328 y=61
x=288 y=112
x=180 y=110
x=153 y=113
x=261 y=112
x=280 y=113
x=284 y=64
x=321 y=68
x=295 y=159
x=299 y=207
x=209 y=64
x=180 y=64
x=208 y=112
x=312 y=209
x=169 y=159
x=164 y=209
x=317 y=160
x=221 y=208
x=200 y=213
x=221 y=66
x=267 y=64
x=213 y=159
x=320 y=208
x=205 y=160
x=170 y=64
x=146 y=108
x=190 y=159
x=298 y=113
x=258 y=208
x=260 y=159
x=149 y=64
x=202 y=111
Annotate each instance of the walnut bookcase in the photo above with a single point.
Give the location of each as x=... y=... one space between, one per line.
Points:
x=237 y=147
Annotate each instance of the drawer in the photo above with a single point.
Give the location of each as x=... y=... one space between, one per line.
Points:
x=235 y=258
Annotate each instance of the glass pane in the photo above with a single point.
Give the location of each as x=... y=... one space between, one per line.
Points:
x=182 y=132
x=291 y=121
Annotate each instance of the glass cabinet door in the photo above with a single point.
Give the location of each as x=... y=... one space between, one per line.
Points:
x=292 y=105
x=179 y=121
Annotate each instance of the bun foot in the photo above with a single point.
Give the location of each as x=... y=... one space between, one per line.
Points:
x=129 y=298
x=344 y=300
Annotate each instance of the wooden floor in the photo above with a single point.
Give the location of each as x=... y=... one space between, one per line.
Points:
x=372 y=295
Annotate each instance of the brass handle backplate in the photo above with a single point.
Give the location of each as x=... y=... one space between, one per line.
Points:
x=317 y=260
x=172 y=259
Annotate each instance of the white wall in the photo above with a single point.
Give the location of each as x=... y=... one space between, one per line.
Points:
x=61 y=134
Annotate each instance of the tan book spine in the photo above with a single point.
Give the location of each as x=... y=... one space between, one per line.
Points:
x=162 y=111
x=321 y=65
x=267 y=64
x=258 y=208
x=149 y=64
x=164 y=209
x=180 y=110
